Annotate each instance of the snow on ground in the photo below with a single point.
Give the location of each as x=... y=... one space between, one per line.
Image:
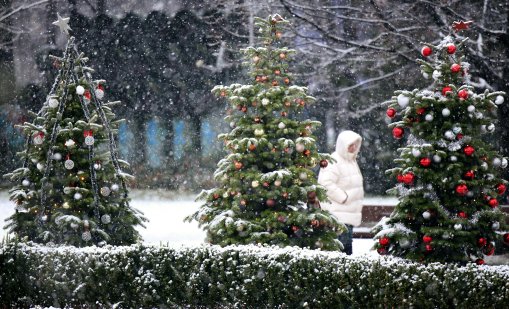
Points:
x=166 y=212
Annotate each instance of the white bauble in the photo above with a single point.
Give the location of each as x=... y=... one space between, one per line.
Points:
x=258 y=132
x=232 y=124
x=458 y=226
x=429 y=117
x=97 y=166
x=69 y=164
x=479 y=115
x=99 y=93
x=57 y=156
x=115 y=187
x=25 y=182
x=416 y=152
x=105 y=191
x=456 y=130
x=265 y=102
x=471 y=108
x=483 y=129
x=425 y=75
x=105 y=219
x=281 y=125
x=499 y=100
x=86 y=236
x=497 y=162
x=453 y=158
x=303 y=176
x=277 y=183
x=484 y=166
x=255 y=183
x=446 y=112
x=437 y=159
x=490 y=128
x=80 y=90
x=404 y=243
x=495 y=226
x=436 y=75
x=449 y=135
x=40 y=166
x=504 y=163
x=403 y=100
x=53 y=103
x=470 y=194
x=300 y=147
x=77 y=196
x=426 y=215
x=44 y=218
x=89 y=140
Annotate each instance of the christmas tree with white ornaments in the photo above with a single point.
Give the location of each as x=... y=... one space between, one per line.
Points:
x=449 y=187
x=268 y=192
x=71 y=188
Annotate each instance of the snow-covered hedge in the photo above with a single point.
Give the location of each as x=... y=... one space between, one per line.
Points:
x=244 y=276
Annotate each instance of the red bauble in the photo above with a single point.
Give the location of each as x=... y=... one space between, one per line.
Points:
x=481 y=242
x=427 y=239
x=429 y=248
x=459 y=136
x=295 y=228
x=311 y=195
x=391 y=112
x=215 y=196
x=88 y=133
x=398 y=132
x=489 y=249
x=238 y=165
x=506 y=238
x=381 y=251
x=271 y=203
x=252 y=147
x=455 y=68
x=87 y=95
x=399 y=178
x=451 y=49
x=493 y=202
x=463 y=94
x=408 y=178
x=426 y=51
x=462 y=189
x=469 y=150
x=479 y=262
x=462 y=215
x=324 y=163
x=469 y=175
x=384 y=241
x=307 y=152
x=425 y=162
x=446 y=89
x=501 y=188
x=266 y=184
x=421 y=111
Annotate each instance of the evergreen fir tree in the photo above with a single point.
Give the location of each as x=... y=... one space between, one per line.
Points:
x=71 y=188
x=268 y=192
x=449 y=188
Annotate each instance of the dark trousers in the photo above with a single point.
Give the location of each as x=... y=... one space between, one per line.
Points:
x=346 y=239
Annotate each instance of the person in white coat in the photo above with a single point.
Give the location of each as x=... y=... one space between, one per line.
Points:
x=344 y=183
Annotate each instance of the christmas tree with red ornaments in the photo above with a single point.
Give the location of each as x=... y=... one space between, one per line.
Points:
x=71 y=187
x=447 y=175
x=268 y=192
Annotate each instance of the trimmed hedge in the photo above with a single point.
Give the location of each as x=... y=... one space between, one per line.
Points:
x=243 y=276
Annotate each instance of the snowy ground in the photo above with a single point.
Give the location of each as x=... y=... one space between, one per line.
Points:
x=166 y=213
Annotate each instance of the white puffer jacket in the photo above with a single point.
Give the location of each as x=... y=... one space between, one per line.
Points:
x=343 y=181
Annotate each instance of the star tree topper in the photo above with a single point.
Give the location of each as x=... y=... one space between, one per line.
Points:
x=461 y=25
x=63 y=23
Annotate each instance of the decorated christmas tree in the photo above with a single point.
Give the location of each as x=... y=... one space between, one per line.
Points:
x=448 y=184
x=71 y=188
x=268 y=192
